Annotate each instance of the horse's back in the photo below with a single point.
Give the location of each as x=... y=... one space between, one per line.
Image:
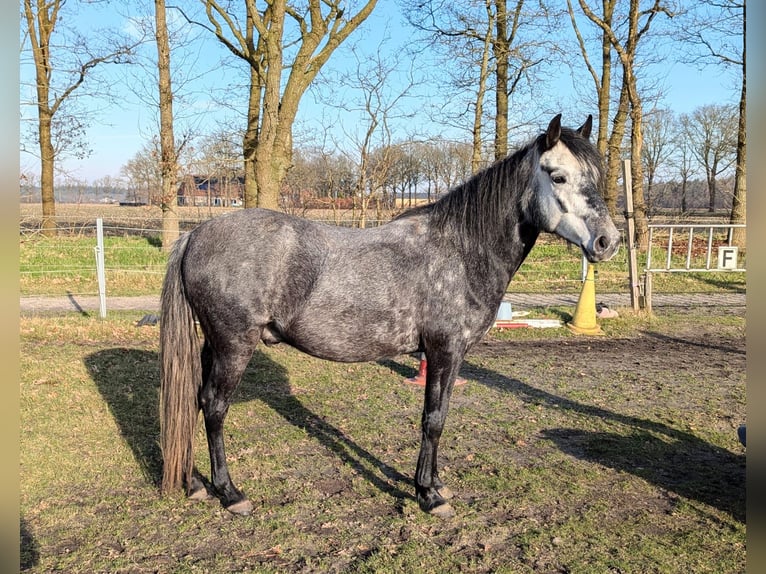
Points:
x=237 y=265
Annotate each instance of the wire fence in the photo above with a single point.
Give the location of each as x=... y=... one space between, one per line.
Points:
x=135 y=263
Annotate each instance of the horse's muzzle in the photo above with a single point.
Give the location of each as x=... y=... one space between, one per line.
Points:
x=604 y=246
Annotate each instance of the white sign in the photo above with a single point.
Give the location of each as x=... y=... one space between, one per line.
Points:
x=727 y=257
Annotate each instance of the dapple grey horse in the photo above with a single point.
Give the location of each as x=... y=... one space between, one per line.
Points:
x=431 y=281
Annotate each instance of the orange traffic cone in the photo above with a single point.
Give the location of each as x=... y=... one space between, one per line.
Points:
x=420 y=378
x=584 y=320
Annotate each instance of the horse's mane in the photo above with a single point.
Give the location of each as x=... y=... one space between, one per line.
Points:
x=476 y=211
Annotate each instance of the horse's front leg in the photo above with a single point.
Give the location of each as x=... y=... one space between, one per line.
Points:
x=432 y=494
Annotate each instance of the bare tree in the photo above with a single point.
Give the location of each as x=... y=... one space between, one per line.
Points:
x=28 y=186
x=302 y=184
x=657 y=149
x=718 y=28
x=639 y=22
x=377 y=107
x=609 y=144
x=602 y=79
x=164 y=91
x=467 y=31
x=404 y=174
x=219 y=160
x=285 y=45
x=321 y=178
x=683 y=161
x=516 y=55
x=143 y=174
x=712 y=133
x=492 y=49
x=108 y=187
x=444 y=164
x=61 y=69
x=168 y=157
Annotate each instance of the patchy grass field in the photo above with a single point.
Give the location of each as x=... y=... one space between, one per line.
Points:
x=615 y=454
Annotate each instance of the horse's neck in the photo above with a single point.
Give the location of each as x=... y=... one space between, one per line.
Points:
x=528 y=235
x=491 y=268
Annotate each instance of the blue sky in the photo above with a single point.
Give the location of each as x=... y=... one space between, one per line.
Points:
x=121 y=130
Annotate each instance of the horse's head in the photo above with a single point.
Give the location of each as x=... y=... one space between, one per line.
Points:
x=568 y=181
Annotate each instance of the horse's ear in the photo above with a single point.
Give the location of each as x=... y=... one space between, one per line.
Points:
x=584 y=130
x=553 y=133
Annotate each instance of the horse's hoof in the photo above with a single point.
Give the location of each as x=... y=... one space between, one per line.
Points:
x=200 y=494
x=242 y=508
x=442 y=511
x=446 y=492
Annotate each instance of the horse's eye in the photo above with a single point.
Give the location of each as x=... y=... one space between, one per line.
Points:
x=558 y=179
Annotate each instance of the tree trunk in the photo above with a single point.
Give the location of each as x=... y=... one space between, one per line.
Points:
x=614 y=152
x=46 y=174
x=608 y=147
x=250 y=138
x=269 y=173
x=636 y=144
x=40 y=27
x=604 y=95
x=168 y=161
x=501 y=72
x=40 y=23
x=273 y=106
x=739 y=201
x=649 y=192
x=479 y=107
x=250 y=141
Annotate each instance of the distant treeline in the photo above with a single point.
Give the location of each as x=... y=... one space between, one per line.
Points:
x=79 y=194
x=663 y=196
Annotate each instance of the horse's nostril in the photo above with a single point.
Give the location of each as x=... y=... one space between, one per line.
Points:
x=602 y=244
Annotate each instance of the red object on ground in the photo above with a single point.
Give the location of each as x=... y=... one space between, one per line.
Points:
x=508 y=325
x=420 y=378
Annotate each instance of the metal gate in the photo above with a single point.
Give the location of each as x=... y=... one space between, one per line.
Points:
x=690 y=248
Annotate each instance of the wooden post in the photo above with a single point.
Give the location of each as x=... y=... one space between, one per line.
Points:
x=631 y=236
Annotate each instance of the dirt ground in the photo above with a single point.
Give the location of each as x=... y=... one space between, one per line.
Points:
x=687 y=349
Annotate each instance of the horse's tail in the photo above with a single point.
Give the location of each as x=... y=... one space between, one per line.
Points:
x=180 y=375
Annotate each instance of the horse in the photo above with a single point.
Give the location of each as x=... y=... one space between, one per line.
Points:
x=429 y=281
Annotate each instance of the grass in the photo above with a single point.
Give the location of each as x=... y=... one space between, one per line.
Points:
x=564 y=458
x=135 y=266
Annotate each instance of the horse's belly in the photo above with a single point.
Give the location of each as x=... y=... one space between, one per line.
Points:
x=353 y=339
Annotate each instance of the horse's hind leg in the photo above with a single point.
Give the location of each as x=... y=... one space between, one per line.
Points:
x=224 y=371
x=432 y=494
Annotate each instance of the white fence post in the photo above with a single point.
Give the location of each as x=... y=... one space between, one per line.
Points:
x=100 y=272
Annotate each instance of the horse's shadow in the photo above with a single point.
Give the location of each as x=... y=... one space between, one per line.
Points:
x=675 y=460
x=672 y=459
x=128 y=380
x=29 y=549
x=669 y=458
x=267 y=381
